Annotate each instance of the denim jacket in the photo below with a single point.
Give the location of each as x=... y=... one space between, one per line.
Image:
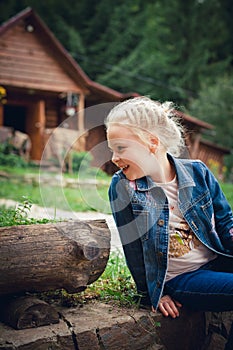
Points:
x=141 y=212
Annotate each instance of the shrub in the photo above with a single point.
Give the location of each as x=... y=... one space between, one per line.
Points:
x=9 y=158
x=81 y=159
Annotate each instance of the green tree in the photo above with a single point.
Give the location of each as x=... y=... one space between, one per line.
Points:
x=165 y=49
x=110 y=35
x=176 y=48
x=214 y=105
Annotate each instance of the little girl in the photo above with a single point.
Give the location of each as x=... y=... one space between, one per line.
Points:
x=175 y=224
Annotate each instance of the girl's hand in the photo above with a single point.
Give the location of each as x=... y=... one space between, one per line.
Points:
x=168 y=307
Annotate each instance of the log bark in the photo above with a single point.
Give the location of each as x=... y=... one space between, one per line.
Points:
x=38 y=258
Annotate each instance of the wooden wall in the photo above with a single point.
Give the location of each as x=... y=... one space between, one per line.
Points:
x=27 y=60
x=212 y=155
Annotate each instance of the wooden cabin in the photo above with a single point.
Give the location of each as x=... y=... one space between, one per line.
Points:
x=44 y=85
x=47 y=90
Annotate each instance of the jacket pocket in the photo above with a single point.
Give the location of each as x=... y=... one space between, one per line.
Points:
x=208 y=210
x=141 y=218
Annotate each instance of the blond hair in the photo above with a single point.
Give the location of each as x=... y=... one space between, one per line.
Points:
x=144 y=115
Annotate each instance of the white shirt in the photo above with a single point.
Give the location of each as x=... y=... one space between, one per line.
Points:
x=186 y=252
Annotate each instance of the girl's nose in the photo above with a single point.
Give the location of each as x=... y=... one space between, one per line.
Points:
x=115 y=157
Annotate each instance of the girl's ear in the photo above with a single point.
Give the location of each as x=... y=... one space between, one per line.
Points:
x=153 y=143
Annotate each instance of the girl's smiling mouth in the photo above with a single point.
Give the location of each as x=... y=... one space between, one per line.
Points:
x=125 y=167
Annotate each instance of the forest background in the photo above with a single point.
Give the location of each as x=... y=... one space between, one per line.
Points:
x=174 y=50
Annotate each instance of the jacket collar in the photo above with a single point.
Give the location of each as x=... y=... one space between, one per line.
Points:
x=183 y=173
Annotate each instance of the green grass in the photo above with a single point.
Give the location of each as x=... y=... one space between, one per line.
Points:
x=19 y=170
x=228 y=191
x=83 y=198
x=115 y=286
x=19 y=215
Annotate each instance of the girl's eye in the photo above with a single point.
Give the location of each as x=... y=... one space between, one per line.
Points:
x=120 y=149
x=117 y=149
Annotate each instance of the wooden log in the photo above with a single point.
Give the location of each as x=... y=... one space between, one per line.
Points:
x=38 y=258
x=27 y=312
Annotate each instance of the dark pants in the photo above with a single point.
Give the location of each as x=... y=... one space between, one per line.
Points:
x=209 y=288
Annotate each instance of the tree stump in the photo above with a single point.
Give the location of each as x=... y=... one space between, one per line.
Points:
x=64 y=255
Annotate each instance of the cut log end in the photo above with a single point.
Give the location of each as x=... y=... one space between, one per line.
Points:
x=28 y=312
x=91 y=251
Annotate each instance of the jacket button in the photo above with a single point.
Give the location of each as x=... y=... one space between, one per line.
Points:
x=158 y=284
x=161 y=222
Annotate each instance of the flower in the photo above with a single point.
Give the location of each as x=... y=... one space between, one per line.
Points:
x=2 y=95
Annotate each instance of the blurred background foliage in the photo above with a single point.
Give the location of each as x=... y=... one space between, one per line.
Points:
x=170 y=50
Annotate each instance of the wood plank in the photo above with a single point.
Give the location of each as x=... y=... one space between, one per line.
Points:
x=33 y=52
x=24 y=71
x=30 y=59
x=39 y=65
x=54 y=87
x=38 y=82
x=30 y=52
x=26 y=60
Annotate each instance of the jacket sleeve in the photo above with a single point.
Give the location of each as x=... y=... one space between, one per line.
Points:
x=131 y=242
x=222 y=212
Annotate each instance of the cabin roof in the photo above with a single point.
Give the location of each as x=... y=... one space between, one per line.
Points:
x=215 y=146
x=194 y=121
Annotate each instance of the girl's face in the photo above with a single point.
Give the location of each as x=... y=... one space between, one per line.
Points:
x=129 y=152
